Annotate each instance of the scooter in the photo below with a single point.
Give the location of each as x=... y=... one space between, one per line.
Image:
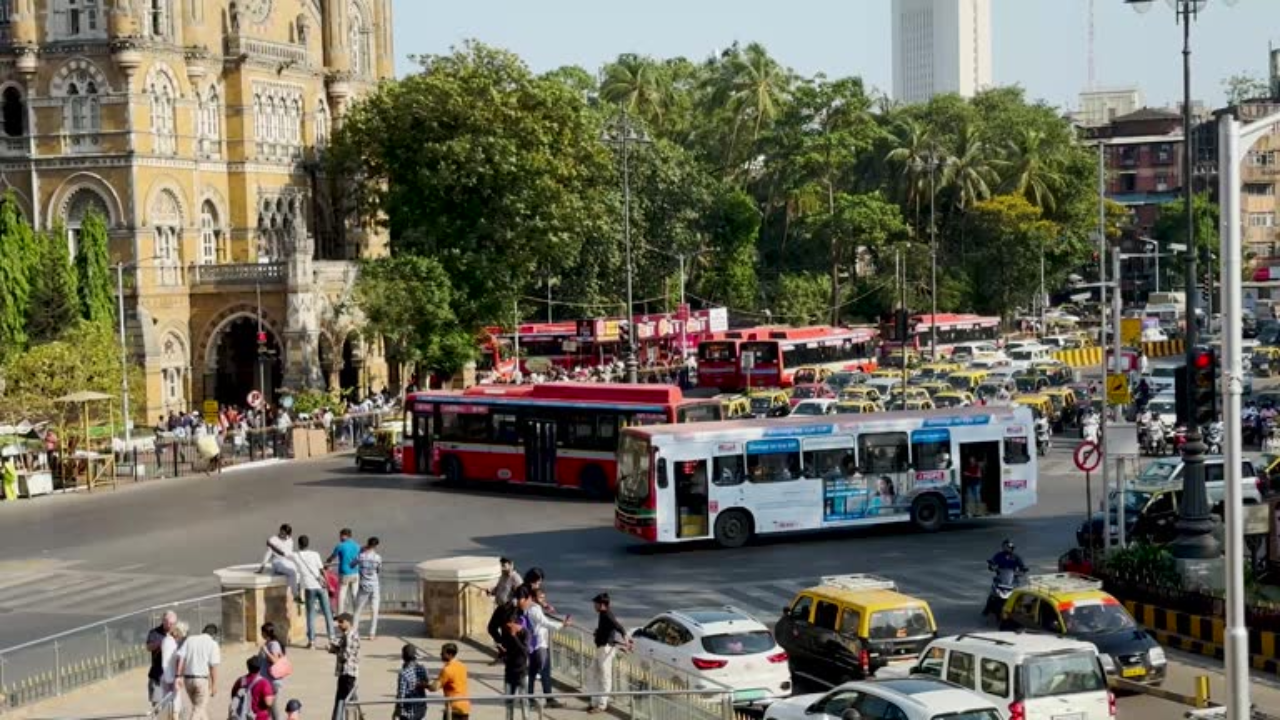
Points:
x=1089 y=429
x=1002 y=586
x=1155 y=441
x=1213 y=437
x=1179 y=439
x=1044 y=439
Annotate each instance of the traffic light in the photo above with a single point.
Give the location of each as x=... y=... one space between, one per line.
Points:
x=624 y=333
x=900 y=325
x=1203 y=375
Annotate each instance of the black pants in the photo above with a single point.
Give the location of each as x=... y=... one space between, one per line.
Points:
x=346 y=692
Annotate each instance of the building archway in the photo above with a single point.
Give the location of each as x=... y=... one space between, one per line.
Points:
x=352 y=370
x=236 y=365
x=328 y=363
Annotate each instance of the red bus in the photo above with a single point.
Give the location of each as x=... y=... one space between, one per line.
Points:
x=719 y=359
x=776 y=353
x=952 y=328
x=543 y=346
x=551 y=434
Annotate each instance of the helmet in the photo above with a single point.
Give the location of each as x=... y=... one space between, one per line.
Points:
x=1007 y=545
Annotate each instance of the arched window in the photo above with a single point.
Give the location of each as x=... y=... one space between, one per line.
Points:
x=159 y=18
x=166 y=223
x=173 y=372
x=211 y=244
x=358 y=41
x=79 y=206
x=81 y=113
x=295 y=121
x=209 y=123
x=163 y=108
x=322 y=123
x=14 y=112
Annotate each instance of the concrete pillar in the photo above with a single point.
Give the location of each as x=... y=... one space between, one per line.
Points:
x=262 y=599
x=454 y=602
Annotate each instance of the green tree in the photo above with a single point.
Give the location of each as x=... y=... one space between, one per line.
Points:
x=15 y=281
x=637 y=85
x=1171 y=227
x=862 y=223
x=97 y=292
x=802 y=298
x=1029 y=169
x=55 y=302
x=1243 y=87
x=732 y=227
x=408 y=300
x=1012 y=235
x=913 y=145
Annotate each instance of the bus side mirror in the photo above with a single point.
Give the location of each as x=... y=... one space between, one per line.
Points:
x=662 y=473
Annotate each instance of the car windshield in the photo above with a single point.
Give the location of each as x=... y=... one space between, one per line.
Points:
x=1025 y=384
x=1096 y=619
x=809 y=409
x=1159 y=471
x=761 y=404
x=1022 y=354
x=739 y=643
x=1064 y=674
x=802 y=392
x=840 y=380
x=900 y=623
x=805 y=376
x=947 y=401
x=959 y=382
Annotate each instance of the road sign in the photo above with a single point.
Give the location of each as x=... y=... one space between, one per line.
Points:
x=1118 y=389
x=1087 y=456
x=210 y=411
x=255 y=398
x=1131 y=332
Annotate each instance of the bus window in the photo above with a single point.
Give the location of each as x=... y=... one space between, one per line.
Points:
x=718 y=351
x=505 y=432
x=883 y=452
x=607 y=431
x=728 y=470
x=932 y=455
x=773 y=467
x=828 y=464
x=460 y=427
x=1016 y=451
x=700 y=412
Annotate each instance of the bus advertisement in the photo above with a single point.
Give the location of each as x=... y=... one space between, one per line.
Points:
x=952 y=328
x=731 y=481
x=551 y=434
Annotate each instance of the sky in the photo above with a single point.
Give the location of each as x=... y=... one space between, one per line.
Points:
x=1041 y=45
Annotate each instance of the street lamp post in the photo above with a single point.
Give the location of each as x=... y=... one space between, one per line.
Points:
x=623 y=134
x=932 y=164
x=1234 y=143
x=1195 y=520
x=124 y=356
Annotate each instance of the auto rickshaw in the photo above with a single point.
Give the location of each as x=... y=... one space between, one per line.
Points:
x=1265 y=360
x=382 y=449
x=1064 y=400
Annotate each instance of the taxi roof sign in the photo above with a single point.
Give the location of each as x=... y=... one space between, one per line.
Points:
x=1064 y=582
x=858 y=582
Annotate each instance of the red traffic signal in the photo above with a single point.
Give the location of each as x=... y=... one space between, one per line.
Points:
x=1203 y=361
x=262 y=338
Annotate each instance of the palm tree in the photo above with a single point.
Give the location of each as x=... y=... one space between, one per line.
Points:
x=637 y=85
x=969 y=173
x=759 y=86
x=913 y=146
x=1030 y=171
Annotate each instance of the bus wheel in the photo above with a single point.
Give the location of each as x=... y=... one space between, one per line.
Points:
x=733 y=529
x=928 y=513
x=593 y=483
x=453 y=471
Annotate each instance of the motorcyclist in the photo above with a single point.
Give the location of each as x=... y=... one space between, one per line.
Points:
x=1007 y=559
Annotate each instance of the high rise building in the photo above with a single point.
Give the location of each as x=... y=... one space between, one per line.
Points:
x=940 y=46
x=196 y=128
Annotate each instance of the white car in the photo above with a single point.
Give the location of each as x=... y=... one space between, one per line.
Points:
x=724 y=645
x=815 y=406
x=1164 y=407
x=915 y=698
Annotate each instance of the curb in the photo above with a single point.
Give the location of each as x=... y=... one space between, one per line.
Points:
x=1201 y=635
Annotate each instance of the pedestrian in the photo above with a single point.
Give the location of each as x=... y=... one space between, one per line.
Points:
x=515 y=658
x=370 y=593
x=252 y=697
x=539 y=636
x=452 y=681
x=609 y=636
x=345 y=554
x=293 y=711
x=971 y=482
x=169 y=649
x=198 y=661
x=279 y=557
x=542 y=609
x=411 y=685
x=315 y=589
x=155 y=645
x=346 y=653
x=507 y=583
x=275 y=666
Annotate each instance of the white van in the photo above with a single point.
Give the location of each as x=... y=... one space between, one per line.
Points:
x=967 y=351
x=1024 y=356
x=1027 y=675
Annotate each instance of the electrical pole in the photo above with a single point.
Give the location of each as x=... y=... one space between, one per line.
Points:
x=124 y=356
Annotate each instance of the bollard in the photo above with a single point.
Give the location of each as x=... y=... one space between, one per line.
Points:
x=1202 y=691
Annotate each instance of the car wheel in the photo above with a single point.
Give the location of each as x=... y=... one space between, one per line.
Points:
x=733 y=529
x=928 y=513
x=453 y=471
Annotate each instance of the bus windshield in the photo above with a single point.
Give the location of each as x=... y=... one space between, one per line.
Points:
x=762 y=352
x=717 y=352
x=633 y=470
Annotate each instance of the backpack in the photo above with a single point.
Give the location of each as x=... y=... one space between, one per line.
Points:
x=242 y=702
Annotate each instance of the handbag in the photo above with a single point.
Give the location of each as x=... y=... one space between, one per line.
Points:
x=281 y=668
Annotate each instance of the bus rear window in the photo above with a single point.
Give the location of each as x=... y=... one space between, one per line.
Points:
x=717 y=352
x=633 y=470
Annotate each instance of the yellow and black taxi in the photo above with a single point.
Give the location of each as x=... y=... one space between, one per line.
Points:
x=858 y=407
x=939 y=370
x=769 y=403
x=953 y=398
x=1030 y=382
x=735 y=407
x=1040 y=405
x=967 y=380
x=860 y=392
x=810 y=375
x=933 y=387
x=1076 y=606
x=849 y=626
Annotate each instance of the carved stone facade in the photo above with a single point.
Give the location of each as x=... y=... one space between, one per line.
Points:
x=195 y=127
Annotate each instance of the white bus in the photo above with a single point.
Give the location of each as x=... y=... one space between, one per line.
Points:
x=729 y=481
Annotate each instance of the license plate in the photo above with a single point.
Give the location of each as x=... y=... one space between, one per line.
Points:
x=1133 y=672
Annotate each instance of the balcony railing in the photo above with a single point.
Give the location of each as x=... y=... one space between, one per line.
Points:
x=271 y=273
x=238 y=46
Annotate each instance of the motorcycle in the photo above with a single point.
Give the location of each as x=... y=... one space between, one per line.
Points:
x=1154 y=440
x=1213 y=437
x=1090 y=428
x=1002 y=586
x=1179 y=439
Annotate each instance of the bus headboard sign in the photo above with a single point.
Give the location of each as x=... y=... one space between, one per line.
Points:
x=771 y=447
x=802 y=431
x=930 y=436
x=957 y=421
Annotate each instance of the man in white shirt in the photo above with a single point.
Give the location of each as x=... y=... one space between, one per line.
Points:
x=315 y=588
x=198 y=661
x=279 y=557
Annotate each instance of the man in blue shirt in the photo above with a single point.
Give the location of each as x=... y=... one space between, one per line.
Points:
x=1007 y=559
x=345 y=554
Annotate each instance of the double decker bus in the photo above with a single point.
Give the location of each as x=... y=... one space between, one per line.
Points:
x=952 y=329
x=551 y=434
x=731 y=481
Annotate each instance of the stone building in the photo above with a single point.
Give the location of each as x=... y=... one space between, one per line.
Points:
x=195 y=127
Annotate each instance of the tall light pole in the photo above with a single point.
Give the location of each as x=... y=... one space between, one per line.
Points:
x=932 y=164
x=124 y=355
x=1234 y=143
x=624 y=134
x=1195 y=520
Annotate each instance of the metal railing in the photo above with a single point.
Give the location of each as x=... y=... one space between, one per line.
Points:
x=72 y=659
x=691 y=704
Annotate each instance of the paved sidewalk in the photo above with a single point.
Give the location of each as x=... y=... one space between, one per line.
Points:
x=312 y=682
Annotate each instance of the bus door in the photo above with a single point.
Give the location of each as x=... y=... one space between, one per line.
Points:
x=422 y=443
x=690 y=478
x=1018 y=472
x=885 y=460
x=980 y=477
x=539 y=439
x=933 y=468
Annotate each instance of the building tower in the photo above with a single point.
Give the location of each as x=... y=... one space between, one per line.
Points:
x=940 y=46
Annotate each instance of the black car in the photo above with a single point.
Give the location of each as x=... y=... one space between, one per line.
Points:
x=1150 y=516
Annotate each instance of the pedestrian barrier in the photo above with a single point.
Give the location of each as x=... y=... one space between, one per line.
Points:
x=1163 y=348
x=60 y=663
x=685 y=704
x=1080 y=357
